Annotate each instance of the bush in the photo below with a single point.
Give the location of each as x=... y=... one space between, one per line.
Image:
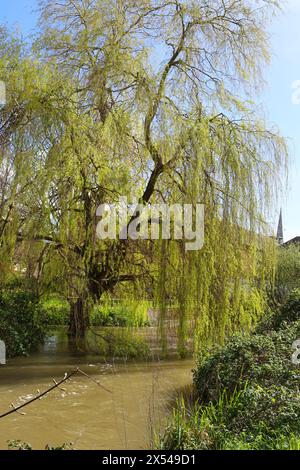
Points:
x=253 y=358
x=54 y=311
x=118 y=343
x=20 y=327
x=288 y=271
x=290 y=312
x=134 y=315
x=254 y=418
x=247 y=392
x=109 y=316
x=281 y=316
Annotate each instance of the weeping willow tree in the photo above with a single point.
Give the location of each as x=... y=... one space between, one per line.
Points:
x=151 y=100
x=32 y=103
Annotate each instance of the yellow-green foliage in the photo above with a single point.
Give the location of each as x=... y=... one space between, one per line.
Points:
x=142 y=99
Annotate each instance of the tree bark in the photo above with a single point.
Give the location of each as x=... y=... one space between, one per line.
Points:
x=78 y=322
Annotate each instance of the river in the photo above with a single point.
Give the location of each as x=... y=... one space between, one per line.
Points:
x=81 y=412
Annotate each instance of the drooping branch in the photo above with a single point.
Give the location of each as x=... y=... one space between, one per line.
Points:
x=56 y=243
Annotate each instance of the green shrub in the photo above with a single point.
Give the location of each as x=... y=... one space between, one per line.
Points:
x=290 y=312
x=287 y=313
x=20 y=326
x=134 y=315
x=120 y=343
x=109 y=316
x=288 y=271
x=247 y=392
x=254 y=418
x=54 y=311
x=256 y=358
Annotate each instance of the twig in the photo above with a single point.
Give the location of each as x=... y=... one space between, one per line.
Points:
x=94 y=380
x=16 y=410
x=60 y=388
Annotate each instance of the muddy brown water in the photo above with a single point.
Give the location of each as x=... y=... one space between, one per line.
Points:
x=83 y=413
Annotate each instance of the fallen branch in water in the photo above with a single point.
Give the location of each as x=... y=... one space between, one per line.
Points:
x=56 y=385
x=94 y=380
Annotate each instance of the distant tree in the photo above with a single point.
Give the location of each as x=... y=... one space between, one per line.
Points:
x=287 y=272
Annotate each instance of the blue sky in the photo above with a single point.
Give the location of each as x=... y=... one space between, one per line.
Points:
x=20 y=14
x=276 y=99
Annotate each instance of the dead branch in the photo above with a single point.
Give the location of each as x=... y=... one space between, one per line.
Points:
x=67 y=377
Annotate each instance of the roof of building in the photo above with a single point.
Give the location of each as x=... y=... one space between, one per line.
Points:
x=293 y=241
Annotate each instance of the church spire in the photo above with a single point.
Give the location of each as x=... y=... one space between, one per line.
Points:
x=279 y=235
